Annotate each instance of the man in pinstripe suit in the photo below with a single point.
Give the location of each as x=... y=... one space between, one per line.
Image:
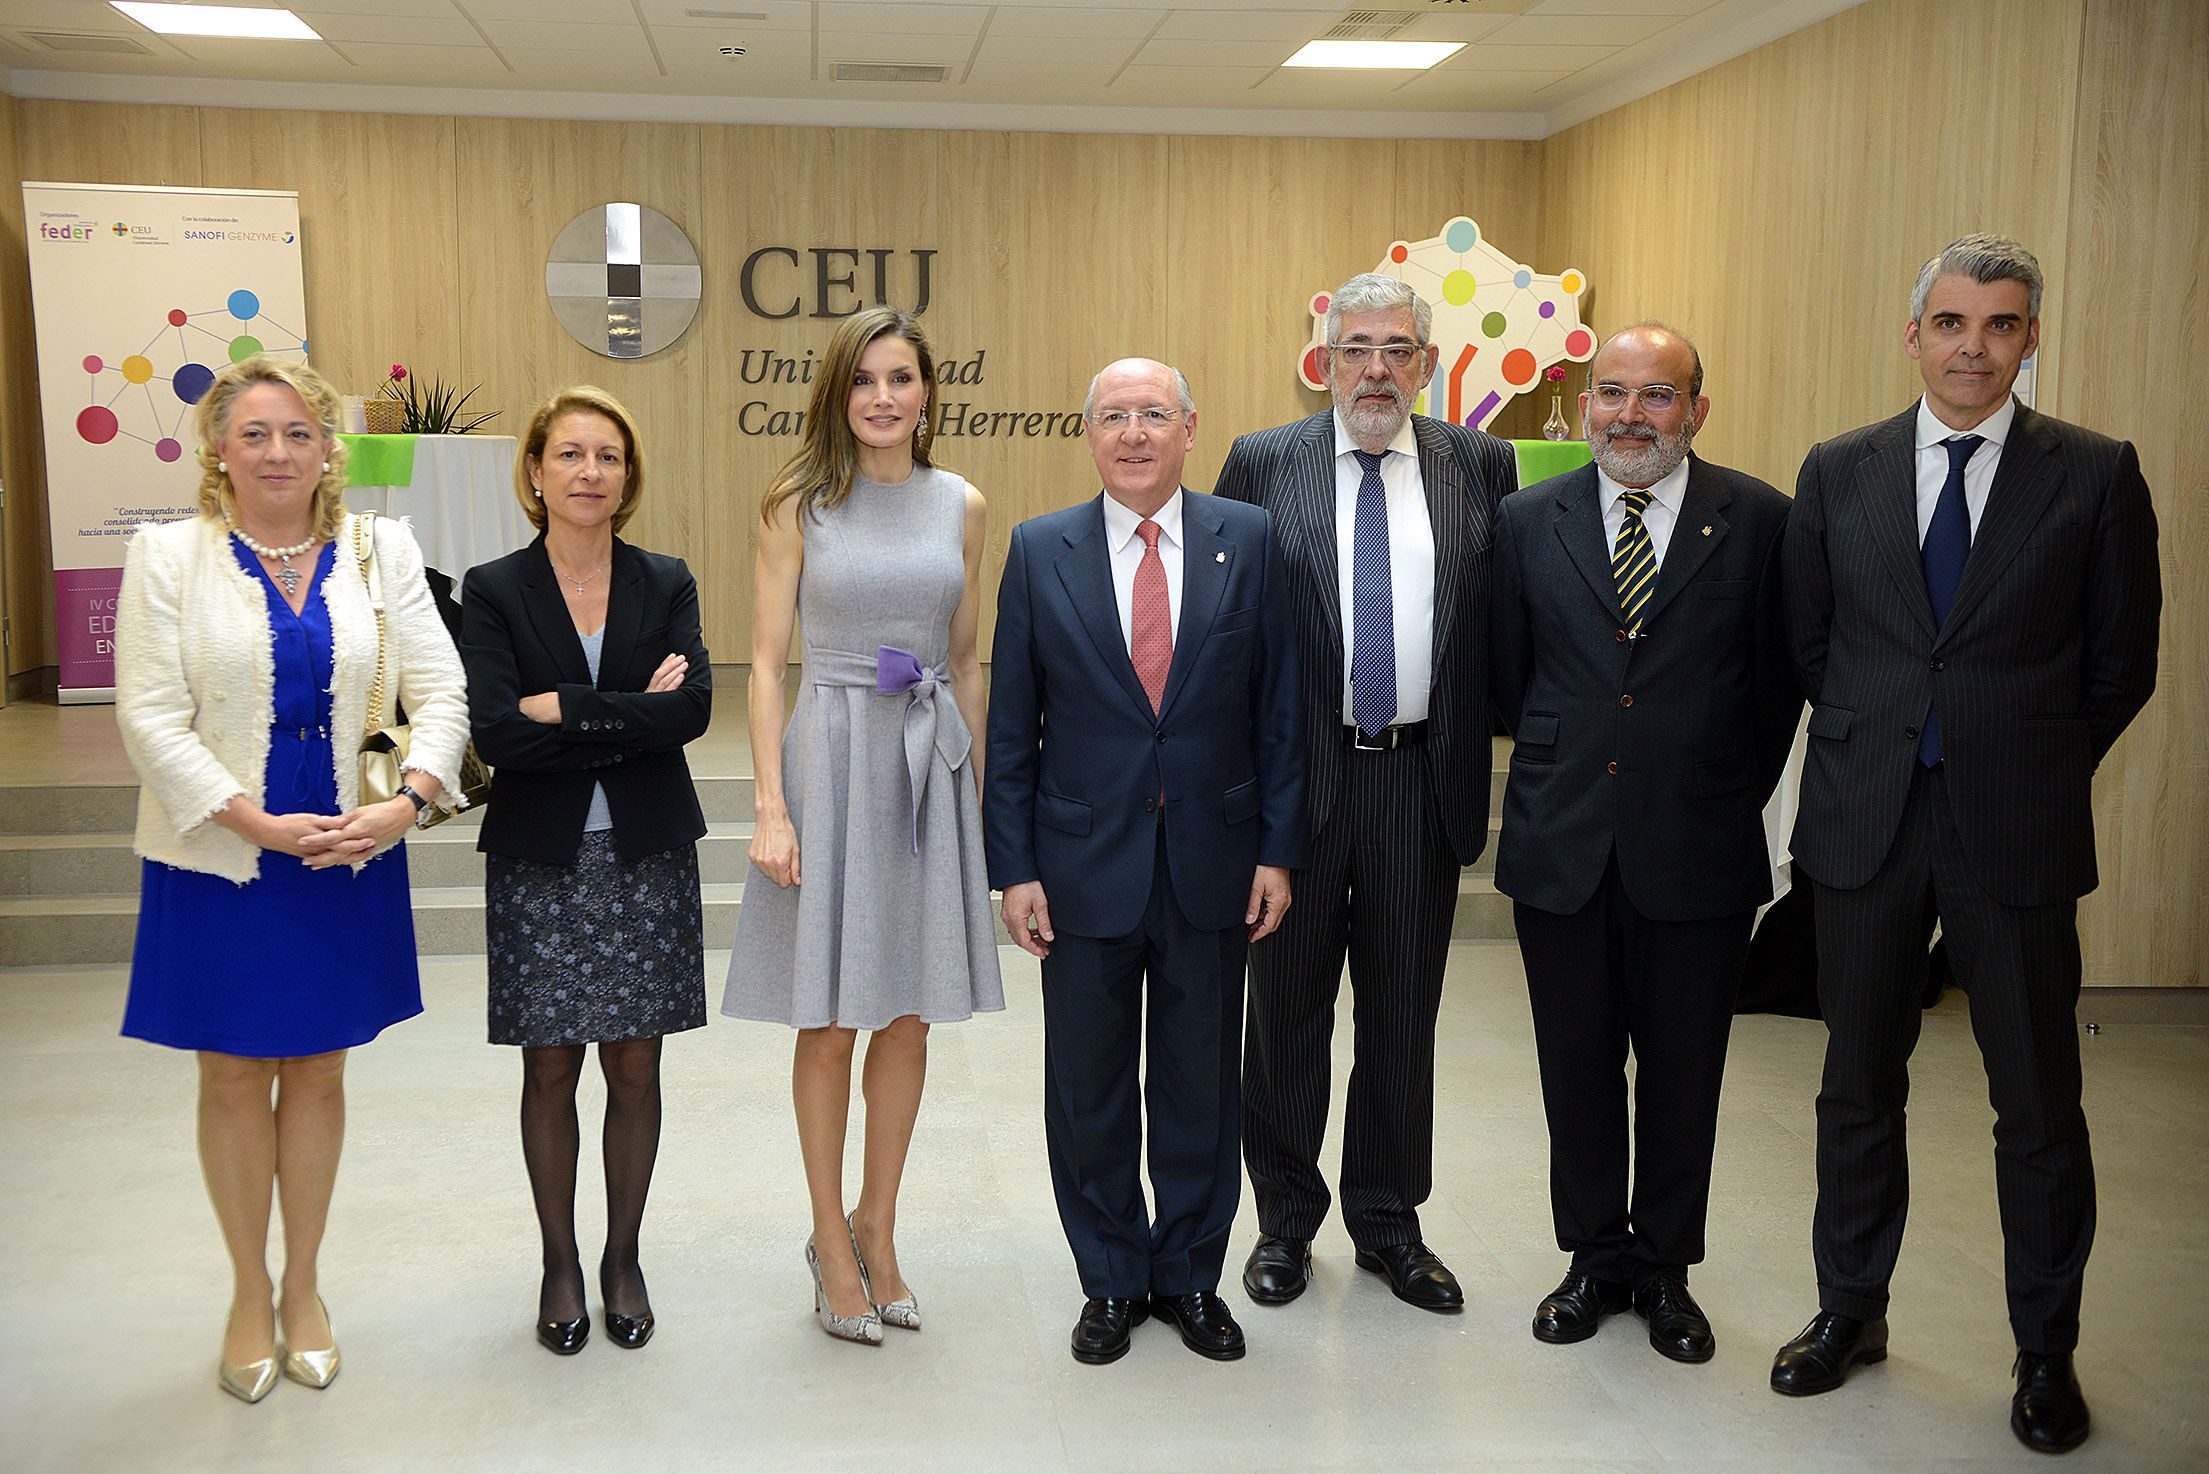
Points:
x=1640 y=660
x=1972 y=594
x=1383 y=518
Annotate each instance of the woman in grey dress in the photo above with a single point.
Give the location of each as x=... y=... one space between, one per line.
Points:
x=885 y=924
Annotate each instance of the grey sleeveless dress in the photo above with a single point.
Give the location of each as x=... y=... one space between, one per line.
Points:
x=892 y=912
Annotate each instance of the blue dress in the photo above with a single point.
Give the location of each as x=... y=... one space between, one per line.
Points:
x=297 y=961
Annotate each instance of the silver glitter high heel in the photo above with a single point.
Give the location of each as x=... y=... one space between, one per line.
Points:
x=903 y=1313
x=864 y=1328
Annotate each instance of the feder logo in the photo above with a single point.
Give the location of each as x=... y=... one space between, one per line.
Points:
x=75 y=230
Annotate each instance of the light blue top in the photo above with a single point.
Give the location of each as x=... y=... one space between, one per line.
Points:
x=600 y=817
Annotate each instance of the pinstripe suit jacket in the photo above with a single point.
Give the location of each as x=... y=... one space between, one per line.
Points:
x=1290 y=471
x=2048 y=652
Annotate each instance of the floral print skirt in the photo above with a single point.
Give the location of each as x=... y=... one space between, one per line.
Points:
x=604 y=949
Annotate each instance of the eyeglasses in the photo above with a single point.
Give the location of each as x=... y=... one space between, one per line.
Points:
x=1115 y=421
x=1656 y=398
x=1395 y=355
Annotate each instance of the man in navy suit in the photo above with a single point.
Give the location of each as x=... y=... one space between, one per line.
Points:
x=1640 y=659
x=1972 y=595
x=1144 y=803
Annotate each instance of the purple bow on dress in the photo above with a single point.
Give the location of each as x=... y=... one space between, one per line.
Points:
x=930 y=729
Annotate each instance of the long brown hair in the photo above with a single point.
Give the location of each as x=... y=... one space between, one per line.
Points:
x=211 y=421
x=820 y=474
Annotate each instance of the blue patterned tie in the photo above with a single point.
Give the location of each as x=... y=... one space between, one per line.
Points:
x=1372 y=605
x=1947 y=545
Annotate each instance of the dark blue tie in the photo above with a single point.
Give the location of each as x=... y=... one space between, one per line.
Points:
x=1372 y=605
x=1947 y=545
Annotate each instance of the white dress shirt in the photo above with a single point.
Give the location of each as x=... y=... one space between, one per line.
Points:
x=1978 y=471
x=1410 y=566
x=1127 y=555
x=1657 y=519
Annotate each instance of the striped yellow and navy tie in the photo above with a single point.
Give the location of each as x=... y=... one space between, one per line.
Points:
x=1634 y=560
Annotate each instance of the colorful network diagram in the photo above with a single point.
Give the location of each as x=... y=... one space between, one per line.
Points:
x=1498 y=322
x=99 y=422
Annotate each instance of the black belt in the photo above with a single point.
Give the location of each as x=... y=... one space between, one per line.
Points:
x=1388 y=739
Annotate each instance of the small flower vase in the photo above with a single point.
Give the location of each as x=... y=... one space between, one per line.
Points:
x=1555 y=428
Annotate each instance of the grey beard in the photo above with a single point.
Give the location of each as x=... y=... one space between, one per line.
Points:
x=1377 y=422
x=1632 y=461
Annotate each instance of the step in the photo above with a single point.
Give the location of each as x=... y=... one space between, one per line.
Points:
x=45 y=931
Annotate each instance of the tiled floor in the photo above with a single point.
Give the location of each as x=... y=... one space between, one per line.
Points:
x=115 y=1284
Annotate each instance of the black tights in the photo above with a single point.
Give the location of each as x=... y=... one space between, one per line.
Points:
x=550 y=1142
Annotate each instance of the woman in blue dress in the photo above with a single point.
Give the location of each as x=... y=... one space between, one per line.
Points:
x=247 y=650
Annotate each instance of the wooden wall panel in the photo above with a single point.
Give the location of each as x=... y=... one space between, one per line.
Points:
x=377 y=220
x=27 y=575
x=1777 y=207
x=2138 y=278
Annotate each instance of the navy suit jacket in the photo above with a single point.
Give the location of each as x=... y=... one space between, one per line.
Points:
x=1661 y=748
x=1077 y=759
x=2048 y=653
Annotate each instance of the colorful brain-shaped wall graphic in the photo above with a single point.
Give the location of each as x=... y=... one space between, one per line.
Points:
x=1498 y=322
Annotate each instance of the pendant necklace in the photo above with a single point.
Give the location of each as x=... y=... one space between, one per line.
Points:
x=287 y=575
x=585 y=579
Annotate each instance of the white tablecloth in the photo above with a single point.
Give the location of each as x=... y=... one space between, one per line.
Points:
x=462 y=501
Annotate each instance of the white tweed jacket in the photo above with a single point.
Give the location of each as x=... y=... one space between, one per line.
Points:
x=195 y=682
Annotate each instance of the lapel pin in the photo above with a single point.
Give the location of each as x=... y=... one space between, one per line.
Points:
x=1706 y=529
x=1222 y=557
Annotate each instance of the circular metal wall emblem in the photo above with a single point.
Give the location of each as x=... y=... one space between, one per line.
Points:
x=623 y=280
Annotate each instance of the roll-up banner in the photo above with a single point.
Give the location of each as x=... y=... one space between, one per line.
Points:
x=139 y=294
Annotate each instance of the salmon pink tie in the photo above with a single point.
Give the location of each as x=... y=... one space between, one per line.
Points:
x=1152 y=645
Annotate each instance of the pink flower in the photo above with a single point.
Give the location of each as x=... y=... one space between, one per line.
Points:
x=1557 y=374
x=398 y=371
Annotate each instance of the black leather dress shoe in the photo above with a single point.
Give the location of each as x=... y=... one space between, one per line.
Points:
x=1204 y=1322
x=1677 y=1326
x=629 y=1331
x=1819 y=1359
x=1101 y=1335
x=1278 y=1270
x=2048 y=1414
x=1573 y=1310
x=1415 y=1275
x=564 y=1337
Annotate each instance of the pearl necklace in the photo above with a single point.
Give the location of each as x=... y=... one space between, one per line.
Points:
x=287 y=575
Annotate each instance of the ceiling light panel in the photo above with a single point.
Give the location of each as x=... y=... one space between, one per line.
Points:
x=237 y=22
x=1385 y=56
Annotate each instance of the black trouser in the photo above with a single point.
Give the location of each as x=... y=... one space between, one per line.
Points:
x=2019 y=966
x=1602 y=980
x=1098 y=1086
x=1381 y=890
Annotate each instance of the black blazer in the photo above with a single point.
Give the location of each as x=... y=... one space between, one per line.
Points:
x=1290 y=471
x=1676 y=781
x=517 y=639
x=1077 y=759
x=2048 y=652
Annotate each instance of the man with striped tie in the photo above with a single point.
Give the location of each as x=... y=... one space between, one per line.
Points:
x=1973 y=594
x=1383 y=517
x=1640 y=661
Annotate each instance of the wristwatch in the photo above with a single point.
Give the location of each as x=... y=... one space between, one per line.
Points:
x=421 y=804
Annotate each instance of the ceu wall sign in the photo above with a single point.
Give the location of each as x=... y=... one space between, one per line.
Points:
x=1498 y=321
x=624 y=281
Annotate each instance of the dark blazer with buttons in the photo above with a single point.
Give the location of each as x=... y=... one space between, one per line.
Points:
x=517 y=639
x=2048 y=652
x=1290 y=471
x=1663 y=747
x=1077 y=759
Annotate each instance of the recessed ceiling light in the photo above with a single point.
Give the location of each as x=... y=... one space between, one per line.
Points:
x=1390 y=56
x=250 y=22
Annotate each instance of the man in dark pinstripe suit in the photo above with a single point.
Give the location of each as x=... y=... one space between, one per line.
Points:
x=1972 y=594
x=1383 y=518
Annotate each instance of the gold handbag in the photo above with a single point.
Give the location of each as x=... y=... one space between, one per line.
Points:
x=384 y=747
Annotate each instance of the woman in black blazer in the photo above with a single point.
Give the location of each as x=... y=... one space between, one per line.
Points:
x=586 y=675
